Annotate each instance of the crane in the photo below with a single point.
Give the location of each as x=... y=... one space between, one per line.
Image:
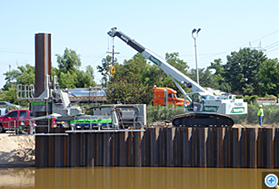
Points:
x=206 y=109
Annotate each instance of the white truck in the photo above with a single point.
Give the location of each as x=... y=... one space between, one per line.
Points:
x=206 y=109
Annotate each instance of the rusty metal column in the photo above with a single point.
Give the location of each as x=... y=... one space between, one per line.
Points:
x=42 y=61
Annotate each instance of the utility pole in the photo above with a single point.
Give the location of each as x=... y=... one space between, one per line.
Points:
x=113 y=52
x=112 y=69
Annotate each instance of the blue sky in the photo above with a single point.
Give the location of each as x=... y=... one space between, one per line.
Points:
x=161 y=26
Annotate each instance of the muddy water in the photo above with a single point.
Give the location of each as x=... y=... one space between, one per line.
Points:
x=131 y=177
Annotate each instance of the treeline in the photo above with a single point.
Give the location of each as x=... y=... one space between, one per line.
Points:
x=68 y=72
x=248 y=73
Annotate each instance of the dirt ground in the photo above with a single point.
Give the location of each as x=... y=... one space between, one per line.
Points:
x=17 y=151
x=256 y=126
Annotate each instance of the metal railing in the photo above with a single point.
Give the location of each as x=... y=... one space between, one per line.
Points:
x=25 y=92
x=91 y=124
x=22 y=126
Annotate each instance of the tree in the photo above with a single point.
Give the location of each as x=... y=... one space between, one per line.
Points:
x=173 y=59
x=69 y=61
x=67 y=80
x=129 y=93
x=180 y=65
x=218 y=68
x=269 y=77
x=151 y=75
x=27 y=75
x=10 y=95
x=206 y=78
x=69 y=75
x=131 y=69
x=104 y=69
x=241 y=70
x=85 y=78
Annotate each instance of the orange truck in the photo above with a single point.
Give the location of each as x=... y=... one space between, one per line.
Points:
x=165 y=96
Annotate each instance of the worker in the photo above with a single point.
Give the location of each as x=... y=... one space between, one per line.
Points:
x=260 y=115
x=197 y=98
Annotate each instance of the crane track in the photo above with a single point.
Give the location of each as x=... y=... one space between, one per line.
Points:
x=202 y=120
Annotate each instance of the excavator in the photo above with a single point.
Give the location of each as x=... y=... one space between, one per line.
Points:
x=205 y=109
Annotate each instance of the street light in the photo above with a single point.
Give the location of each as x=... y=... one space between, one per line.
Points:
x=195 y=44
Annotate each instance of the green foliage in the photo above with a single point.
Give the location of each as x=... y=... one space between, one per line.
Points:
x=173 y=59
x=241 y=70
x=162 y=113
x=270 y=115
x=137 y=73
x=25 y=75
x=269 y=77
x=130 y=69
x=104 y=69
x=241 y=73
x=68 y=62
x=10 y=96
x=249 y=99
x=206 y=78
x=67 y=80
x=69 y=75
x=129 y=93
x=85 y=78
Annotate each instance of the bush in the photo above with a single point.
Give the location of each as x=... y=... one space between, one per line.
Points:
x=161 y=113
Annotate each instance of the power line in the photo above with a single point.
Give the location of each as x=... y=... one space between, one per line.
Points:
x=272 y=45
x=273 y=50
x=223 y=52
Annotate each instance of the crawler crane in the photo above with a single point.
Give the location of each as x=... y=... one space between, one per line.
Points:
x=206 y=109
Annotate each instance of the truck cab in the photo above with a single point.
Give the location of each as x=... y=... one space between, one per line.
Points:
x=165 y=96
x=15 y=119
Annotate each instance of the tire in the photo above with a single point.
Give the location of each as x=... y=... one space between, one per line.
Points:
x=2 y=130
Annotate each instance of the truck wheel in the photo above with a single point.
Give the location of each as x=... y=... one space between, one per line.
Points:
x=2 y=130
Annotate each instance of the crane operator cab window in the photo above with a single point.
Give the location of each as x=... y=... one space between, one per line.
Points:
x=197 y=102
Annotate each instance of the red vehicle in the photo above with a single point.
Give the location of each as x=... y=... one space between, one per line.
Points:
x=18 y=120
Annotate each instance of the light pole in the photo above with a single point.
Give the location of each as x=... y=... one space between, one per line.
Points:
x=195 y=44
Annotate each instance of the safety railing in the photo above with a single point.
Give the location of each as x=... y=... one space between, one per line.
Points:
x=22 y=126
x=105 y=123
x=25 y=92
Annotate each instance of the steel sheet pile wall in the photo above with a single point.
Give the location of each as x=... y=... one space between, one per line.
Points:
x=160 y=147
